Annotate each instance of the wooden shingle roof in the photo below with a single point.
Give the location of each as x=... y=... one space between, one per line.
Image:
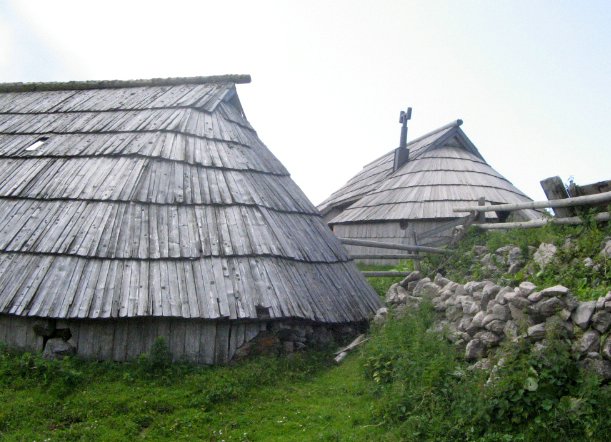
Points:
x=157 y=198
x=444 y=170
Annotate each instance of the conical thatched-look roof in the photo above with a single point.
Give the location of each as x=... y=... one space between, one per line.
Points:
x=156 y=199
x=444 y=170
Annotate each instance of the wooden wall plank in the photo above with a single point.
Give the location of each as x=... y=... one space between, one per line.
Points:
x=207 y=342
x=221 y=346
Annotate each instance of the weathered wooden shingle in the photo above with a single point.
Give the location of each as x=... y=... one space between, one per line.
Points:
x=158 y=200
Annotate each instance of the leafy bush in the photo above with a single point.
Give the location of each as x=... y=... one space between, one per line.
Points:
x=158 y=360
x=24 y=370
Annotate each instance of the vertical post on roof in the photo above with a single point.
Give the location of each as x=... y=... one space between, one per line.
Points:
x=402 y=152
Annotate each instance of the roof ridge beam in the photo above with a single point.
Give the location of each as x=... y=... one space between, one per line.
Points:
x=115 y=84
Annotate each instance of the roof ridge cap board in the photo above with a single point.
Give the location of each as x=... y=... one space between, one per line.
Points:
x=113 y=84
x=454 y=123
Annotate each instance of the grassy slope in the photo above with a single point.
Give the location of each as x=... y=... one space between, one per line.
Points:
x=265 y=399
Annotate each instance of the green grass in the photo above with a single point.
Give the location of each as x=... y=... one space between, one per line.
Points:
x=381 y=284
x=302 y=397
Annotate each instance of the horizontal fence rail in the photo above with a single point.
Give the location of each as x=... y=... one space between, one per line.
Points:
x=386 y=256
x=386 y=245
x=567 y=202
x=573 y=220
x=384 y=274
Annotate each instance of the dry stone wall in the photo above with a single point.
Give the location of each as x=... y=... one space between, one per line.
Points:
x=479 y=315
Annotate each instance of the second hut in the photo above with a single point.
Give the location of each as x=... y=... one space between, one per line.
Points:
x=407 y=196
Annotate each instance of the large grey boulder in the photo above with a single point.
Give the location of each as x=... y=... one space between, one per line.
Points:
x=526 y=288
x=488 y=338
x=496 y=326
x=470 y=307
x=583 y=313
x=599 y=366
x=475 y=350
x=440 y=280
x=474 y=286
x=536 y=332
x=606 y=250
x=381 y=316
x=454 y=312
x=515 y=260
x=544 y=254
x=428 y=290
x=57 y=348
x=464 y=323
x=606 y=348
x=476 y=323
x=511 y=329
x=501 y=312
x=589 y=342
x=601 y=321
x=396 y=295
x=413 y=276
x=549 y=307
x=557 y=290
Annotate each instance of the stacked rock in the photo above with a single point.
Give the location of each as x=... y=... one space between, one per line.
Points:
x=479 y=315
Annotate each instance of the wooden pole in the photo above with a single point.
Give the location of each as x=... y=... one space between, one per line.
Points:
x=574 y=220
x=569 y=202
x=554 y=190
x=386 y=245
x=387 y=256
x=385 y=274
x=481 y=218
x=415 y=240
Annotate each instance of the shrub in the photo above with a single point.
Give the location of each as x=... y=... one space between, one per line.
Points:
x=158 y=361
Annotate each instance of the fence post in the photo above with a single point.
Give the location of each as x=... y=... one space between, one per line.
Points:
x=416 y=261
x=554 y=190
x=481 y=216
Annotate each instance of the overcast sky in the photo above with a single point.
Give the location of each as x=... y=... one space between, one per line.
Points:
x=530 y=79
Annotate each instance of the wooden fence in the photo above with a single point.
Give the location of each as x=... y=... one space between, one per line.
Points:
x=587 y=200
x=476 y=218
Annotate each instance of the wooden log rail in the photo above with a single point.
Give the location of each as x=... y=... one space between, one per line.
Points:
x=387 y=256
x=568 y=202
x=386 y=245
x=573 y=220
x=389 y=273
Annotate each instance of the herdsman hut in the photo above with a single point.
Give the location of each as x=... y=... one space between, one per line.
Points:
x=407 y=196
x=131 y=210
